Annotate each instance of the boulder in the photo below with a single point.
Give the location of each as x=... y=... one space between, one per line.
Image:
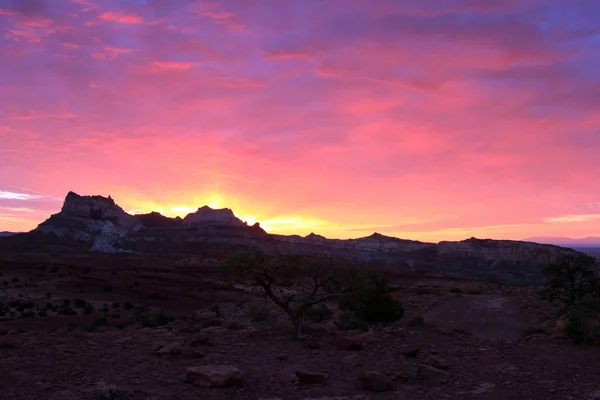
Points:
x=410 y=351
x=200 y=338
x=435 y=375
x=215 y=376
x=312 y=343
x=349 y=343
x=376 y=381
x=197 y=354
x=311 y=377
x=168 y=349
x=439 y=363
x=350 y=359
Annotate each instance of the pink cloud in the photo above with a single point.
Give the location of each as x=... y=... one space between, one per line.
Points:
x=121 y=18
x=170 y=66
x=225 y=18
x=357 y=115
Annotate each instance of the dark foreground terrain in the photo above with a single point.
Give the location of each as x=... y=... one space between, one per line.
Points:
x=128 y=327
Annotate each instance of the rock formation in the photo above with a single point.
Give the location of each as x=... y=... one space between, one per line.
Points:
x=97 y=223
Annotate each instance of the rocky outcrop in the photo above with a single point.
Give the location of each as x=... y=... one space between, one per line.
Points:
x=94 y=220
x=157 y=220
x=207 y=215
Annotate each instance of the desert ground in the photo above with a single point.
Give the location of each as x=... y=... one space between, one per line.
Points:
x=84 y=326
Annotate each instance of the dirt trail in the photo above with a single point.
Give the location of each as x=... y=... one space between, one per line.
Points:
x=487 y=316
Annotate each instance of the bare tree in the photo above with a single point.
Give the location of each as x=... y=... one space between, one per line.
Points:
x=294 y=283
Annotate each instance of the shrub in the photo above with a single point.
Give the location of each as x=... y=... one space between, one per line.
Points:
x=27 y=305
x=417 y=321
x=217 y=310
x=79 y=303
x=98 y=322
x=42 y=313
x=127 y=306
x=583 y=320
x=318 y=313
x=373 y=303
x=455 y=290
x=88 y=309
x=570 y=279
x=65 y=309
x=27 y=314
x=235 y=325
x=348 y=322
x=575 y=284
x=259 y=315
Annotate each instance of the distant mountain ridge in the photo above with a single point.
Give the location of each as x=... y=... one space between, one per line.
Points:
x=567 y=241
x=5 y=234
x=96 y=223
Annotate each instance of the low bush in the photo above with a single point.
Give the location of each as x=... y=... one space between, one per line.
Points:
x=79 y=303
x=348 y=322
x=373 y=302
x=318 y=313
x=575 y=284
x=259 y=315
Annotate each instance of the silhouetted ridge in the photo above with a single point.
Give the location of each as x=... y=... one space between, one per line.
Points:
x=97 y=223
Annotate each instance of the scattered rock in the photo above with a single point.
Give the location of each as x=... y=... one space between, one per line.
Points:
x=200 y=338
x=169 y=349
x=312 y=343
x=197 y=354
x=215 y=376
x=213 y=329
x=376 y=381
x=311 y=378
x=439 y=363
x=425 y=372
x=349 y=343
x=283 y=357
x=105 y=391
x=350 y=359
x=483 y=387
x=410 y=351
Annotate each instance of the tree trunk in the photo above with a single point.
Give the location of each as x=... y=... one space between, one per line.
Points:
x=297 y=322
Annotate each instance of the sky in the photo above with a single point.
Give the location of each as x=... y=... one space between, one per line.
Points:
x=421 y=119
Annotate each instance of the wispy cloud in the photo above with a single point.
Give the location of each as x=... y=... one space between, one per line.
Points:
x=574 y=218
x=18 y=209
x=18 y=196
